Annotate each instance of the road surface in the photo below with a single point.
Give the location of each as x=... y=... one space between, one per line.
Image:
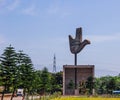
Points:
x=19 y=98
x=15 y=98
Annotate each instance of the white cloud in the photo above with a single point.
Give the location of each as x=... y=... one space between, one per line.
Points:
x=13 y=5
x=103 y=38
x=59 y=10
x=31 y=10
x=16 y=5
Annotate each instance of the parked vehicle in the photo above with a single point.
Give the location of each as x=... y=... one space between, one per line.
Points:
x=19 y=92
x=116 y=92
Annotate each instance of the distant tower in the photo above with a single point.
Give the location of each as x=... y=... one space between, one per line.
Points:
x=54 y=64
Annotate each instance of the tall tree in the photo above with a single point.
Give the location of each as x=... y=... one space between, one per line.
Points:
x=26 y=71
x=8 y=67
x=56 y=81
x=37 y=82
x=45 y=79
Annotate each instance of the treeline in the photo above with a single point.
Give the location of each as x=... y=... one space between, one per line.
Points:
x=107 y=84
x=17 y=71
x=97 y=86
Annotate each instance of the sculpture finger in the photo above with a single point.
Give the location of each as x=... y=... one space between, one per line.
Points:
x=79 y=34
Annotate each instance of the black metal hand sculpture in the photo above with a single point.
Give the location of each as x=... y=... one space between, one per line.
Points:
x=76 y=45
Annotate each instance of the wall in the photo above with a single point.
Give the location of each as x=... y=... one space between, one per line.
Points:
x=83 y=72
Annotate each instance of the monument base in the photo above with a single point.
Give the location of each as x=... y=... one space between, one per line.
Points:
x=83 y=72
x=76 y=91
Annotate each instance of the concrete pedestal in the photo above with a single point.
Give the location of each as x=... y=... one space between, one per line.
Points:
x=76 y=91
x=82 y=74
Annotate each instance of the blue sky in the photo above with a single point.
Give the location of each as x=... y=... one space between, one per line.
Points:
x=41 y=27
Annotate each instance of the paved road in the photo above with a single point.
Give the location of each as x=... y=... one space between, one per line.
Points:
x=19 y=98
x=15 y=98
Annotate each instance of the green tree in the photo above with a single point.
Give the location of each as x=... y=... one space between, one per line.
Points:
x=56 y=81
x=45 y=79
x=59 y=78
x=71 y=86
x=106 y=84
x=26 y=71
x=103 y=83
x=90 y=84
x=37 y=82
x=8 y=68
x=111 y=85
x=117 y=80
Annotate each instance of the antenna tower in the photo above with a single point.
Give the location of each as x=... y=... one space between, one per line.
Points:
x=54 y=64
